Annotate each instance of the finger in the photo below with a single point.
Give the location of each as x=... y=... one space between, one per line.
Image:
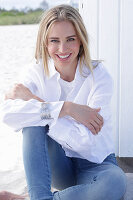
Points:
x=98 y=121
x=92 y=129
x=8 y=96
x=96 y=109
x=99 y=117
x=96 y=126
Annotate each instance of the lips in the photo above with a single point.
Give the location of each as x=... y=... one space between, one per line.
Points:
x=63 y=57
x=66 y=56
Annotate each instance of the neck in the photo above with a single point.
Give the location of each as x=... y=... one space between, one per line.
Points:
x=67 y=73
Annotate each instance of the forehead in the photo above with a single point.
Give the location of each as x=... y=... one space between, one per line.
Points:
x=62 y=28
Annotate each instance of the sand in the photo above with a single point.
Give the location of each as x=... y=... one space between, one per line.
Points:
x=17 y=47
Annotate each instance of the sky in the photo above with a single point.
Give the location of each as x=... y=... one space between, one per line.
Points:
x=19 y=4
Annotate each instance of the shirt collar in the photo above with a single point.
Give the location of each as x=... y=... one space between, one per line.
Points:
x=53 y=71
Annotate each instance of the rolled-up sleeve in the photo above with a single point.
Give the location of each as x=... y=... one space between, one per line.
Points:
x=19 y=113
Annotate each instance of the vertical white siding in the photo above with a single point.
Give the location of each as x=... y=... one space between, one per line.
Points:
x=126 y=65
x=110 y=28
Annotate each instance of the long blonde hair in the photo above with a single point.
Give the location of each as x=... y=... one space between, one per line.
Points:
x=62 y=13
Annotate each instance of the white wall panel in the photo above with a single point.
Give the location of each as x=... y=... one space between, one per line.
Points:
x=108 y=51
x=126 y=93
x=91 y=22
x=110 y=27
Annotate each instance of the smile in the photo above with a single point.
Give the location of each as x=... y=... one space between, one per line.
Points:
x=63 y=57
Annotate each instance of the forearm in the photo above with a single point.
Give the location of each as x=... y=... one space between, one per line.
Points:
x=19 y=113
x=66 y=109
x=83 y=114
x=70 y=109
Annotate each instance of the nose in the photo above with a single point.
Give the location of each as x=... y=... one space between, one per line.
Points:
x=63 y=47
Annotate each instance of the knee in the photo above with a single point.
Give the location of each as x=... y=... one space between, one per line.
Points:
x=33 y=130
x=34 y=135
x=34 y=138
x=116 y=179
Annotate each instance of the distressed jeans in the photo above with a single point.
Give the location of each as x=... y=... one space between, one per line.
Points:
x=46 y=166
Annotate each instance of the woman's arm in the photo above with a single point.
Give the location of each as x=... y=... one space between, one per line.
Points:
x=22 y=108
x=82 y=113
x=19 y=91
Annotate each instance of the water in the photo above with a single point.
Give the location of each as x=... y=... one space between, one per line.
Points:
x=17 y=47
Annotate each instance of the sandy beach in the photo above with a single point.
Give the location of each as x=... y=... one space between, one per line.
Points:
x=17 y=47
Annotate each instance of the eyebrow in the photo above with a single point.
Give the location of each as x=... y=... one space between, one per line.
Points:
x=66 y=37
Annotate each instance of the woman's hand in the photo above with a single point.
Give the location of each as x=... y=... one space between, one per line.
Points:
x=84 y=114
x=19 y=91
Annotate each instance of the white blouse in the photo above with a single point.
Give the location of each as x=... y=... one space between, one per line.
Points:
x=66 y=88
x=76 y=139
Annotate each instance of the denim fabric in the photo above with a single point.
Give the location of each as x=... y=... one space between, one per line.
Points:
x=47 y=165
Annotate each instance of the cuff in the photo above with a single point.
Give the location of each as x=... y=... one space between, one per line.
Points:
x=51 y=110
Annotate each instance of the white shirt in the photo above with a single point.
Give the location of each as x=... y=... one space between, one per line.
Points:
x=66 y=88
x=76 y=139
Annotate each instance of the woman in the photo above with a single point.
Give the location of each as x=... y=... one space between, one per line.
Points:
x=63 y=106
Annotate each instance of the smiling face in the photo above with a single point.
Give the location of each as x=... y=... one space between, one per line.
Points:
x=63 y=45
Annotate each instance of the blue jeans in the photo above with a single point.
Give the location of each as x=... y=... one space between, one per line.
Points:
x=47 y=165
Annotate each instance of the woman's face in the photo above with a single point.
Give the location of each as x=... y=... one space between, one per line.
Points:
x=63 y=44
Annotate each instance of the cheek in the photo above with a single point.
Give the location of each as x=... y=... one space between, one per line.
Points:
x=51 y=50
x=76 y=47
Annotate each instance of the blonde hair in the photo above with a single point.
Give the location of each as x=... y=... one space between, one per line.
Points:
x=56 y=14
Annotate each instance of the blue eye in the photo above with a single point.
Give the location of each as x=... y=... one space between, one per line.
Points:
x=71 y=39
x=54 y=41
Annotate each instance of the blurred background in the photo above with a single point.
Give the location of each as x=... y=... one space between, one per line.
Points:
x=27 y=12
